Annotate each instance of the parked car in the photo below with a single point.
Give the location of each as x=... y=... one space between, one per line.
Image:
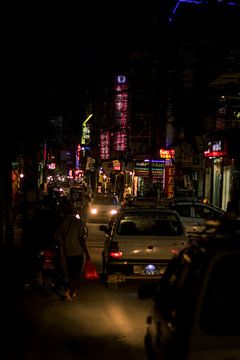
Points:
x=102 y=207
x=195 y=214
x=144 y=201
x=139 y=242
x=195 y=312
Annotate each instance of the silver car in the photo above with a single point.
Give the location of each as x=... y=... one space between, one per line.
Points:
x=139 y=242
x=195 y=214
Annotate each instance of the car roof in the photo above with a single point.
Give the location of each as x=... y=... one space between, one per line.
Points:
x=149 y=209
x=196 y=203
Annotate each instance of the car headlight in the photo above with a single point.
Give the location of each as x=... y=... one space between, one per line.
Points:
x=113 y=212
x=93 y=211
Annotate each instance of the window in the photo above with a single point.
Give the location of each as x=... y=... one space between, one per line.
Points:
x=150 y=223
x=183 y=210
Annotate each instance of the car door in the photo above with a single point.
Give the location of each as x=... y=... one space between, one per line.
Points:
x=186 y=213
x=169 y=315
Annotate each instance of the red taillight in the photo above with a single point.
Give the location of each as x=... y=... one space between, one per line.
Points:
x=116 y=254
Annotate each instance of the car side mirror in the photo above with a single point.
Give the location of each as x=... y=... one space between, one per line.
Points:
x=148 y=290
x=103 y=228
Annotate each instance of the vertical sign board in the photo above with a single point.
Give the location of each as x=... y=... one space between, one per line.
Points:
x=169 y=180
x=104 y=145
x=121 y=113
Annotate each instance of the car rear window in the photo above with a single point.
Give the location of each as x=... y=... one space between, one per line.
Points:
x=150 y=223
x=183 y=210
x=220 y=313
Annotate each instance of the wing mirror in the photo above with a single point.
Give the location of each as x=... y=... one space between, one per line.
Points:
x=148 y=290
x=103 y=228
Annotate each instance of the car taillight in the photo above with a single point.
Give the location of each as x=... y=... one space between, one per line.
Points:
x=116 y=254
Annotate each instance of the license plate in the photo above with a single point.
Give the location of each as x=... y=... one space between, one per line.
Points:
x=149 y=269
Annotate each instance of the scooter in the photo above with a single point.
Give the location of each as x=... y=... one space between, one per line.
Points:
x=49 y=272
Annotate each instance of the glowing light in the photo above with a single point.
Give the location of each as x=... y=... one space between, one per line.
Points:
x=196 y=2
x=167 y=154
x=121 y=79
x=104 y=145
x=121 y=113
x=116 y=255
x=85 y=131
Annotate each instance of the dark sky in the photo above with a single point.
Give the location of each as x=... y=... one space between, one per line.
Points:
x=67 y=45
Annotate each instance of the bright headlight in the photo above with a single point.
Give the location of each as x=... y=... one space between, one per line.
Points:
x=113 y=212
x=93 y=211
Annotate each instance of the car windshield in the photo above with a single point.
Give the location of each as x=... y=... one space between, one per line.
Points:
x=150 y=223
x=104 y=201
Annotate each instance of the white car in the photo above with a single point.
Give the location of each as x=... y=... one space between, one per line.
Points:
x=139 y=242
x=102 y=207
x=195 y=214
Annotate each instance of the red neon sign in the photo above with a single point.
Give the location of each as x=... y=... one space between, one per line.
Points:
x=167 y=154
x=214 y=154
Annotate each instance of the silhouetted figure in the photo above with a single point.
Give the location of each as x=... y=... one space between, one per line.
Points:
x=70 y=235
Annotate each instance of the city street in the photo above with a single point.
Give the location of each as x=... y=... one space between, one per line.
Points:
x=103 y=324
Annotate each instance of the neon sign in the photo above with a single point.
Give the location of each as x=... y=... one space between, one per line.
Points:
x=104 y=145
x=198 y=2
x=121 y=112
x=215 y=150
x=167 y=154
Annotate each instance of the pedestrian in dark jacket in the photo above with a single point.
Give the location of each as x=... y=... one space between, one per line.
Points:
x=70 y=235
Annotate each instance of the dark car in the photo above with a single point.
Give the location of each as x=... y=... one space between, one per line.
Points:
x=195 y=313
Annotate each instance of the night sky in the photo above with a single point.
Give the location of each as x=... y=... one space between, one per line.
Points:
x=66 y=46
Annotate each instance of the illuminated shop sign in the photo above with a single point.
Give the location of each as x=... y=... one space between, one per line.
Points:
x=120 y=141
x=121 y=112
x=104 y=145
x=167 y=154
x=142 y=168
x=215 y=149
x=155 y=164
x=78 y=156
x=86 y=130
x=116 y=165
x=169 y=181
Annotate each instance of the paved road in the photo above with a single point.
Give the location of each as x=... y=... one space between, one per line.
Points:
x=102 y=324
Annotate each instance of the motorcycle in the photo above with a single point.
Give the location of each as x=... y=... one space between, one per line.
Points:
x=50 y=272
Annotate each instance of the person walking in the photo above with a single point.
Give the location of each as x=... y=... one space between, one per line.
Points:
x=70 y=236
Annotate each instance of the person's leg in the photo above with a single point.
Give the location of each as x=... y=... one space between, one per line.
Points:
x=76 y=275
x=69 y=285
x=74 y=268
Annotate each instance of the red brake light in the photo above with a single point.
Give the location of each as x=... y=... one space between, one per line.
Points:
x=116 y=254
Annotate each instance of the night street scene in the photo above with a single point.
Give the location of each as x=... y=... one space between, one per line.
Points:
x=120 y=148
